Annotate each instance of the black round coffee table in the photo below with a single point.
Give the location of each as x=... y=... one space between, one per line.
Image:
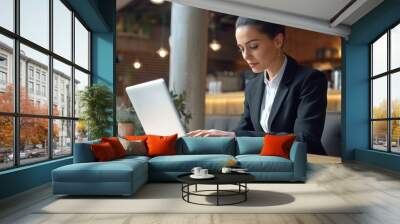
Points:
x=238 y=179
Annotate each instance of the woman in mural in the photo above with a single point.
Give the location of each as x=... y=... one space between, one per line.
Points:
x=284 y=97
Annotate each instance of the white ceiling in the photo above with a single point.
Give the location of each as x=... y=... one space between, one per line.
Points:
x=320 y=9
x=315 y=15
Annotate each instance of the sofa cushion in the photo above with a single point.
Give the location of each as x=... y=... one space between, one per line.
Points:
x=206 y=145
x=103 y=152
x=185 y=163
x=257 y=163
x=249 y=145
x=161 y=145
x=142 y=138
x=132 y=158
x=134 y=147
x=277 y=145
x=112 y=171
x=116 y=145
x=83 y=152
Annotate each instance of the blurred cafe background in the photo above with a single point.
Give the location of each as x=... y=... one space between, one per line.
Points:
x=144 y=50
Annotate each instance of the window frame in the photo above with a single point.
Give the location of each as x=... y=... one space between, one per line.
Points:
x=16 y=114
x=388 y=74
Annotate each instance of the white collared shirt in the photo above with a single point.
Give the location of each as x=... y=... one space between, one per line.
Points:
x=271 y=87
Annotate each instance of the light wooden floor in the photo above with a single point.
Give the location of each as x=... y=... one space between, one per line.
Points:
x=377 y=188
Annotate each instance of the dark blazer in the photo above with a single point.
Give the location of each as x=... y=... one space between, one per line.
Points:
x=299 y=106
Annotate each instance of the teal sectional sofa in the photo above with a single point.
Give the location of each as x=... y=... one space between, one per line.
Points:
x=125 y=176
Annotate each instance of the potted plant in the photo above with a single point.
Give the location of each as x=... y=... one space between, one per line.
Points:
x=96 y=103
x=184 y=114
x=128 y=122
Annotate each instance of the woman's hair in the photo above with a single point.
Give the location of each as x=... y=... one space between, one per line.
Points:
x=270 y=29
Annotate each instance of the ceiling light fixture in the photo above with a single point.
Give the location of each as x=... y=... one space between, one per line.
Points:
x=137 y=64
x=162 y=52
x=157 y=2
x=215 y=45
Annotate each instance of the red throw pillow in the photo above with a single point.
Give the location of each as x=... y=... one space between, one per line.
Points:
x=103 y=151
x=116 y=145
x=161 y=145
x=277 y=145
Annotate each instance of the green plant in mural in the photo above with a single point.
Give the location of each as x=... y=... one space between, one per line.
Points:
x=128 y=115
x=96 y=102
x=184 y=114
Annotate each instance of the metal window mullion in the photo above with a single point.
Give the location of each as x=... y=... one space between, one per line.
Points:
x=90 y=59
x=16 y=85
x=50 y=81
x=42 y=50
x=371 y=137
x=48 y=52
x=383 y=119
x=389 y=149
x=90 y=68
x=73 y=82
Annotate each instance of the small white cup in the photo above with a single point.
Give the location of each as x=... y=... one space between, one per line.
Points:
x=196 y=170
x=226 y=170
x=203 y=172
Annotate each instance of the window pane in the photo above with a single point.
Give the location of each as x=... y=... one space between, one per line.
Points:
x=6 y=142
x=62 y=89
x=395 y=129
x=62 y=138
x=34 y=97
x=379 y=97
x=379 y=55
x=81 y=131
x=81 y=45
x=81 y=81
x=7 y=14
x=6 y=74
x=379 y=135
x=395 y=95
x=33 y=140
x=35 y=21
x=395 y=47
x=62 y=29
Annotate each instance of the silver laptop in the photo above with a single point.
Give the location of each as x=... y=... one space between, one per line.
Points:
x=155 y=108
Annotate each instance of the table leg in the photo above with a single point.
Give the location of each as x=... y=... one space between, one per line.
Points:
x=188 y=190
x=196 y=188
x=217 y=194
x=245 y=193
x=182 y=190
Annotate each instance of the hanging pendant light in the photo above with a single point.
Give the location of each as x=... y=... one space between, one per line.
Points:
x=162 y=52
x=157 y=2
x=137 y=64
x=215 y=45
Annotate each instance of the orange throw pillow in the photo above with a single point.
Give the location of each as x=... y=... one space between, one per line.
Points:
x=116 y=145
x=277 y=145
x=136 y=137
x=161 y=145
x=103 y=152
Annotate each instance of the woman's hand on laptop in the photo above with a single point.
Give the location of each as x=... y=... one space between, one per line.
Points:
x=211 y=133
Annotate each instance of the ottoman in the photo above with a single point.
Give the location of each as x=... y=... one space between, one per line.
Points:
x=117 y=177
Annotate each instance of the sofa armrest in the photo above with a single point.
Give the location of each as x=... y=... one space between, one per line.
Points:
x=298 y=155
x=83 y=152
